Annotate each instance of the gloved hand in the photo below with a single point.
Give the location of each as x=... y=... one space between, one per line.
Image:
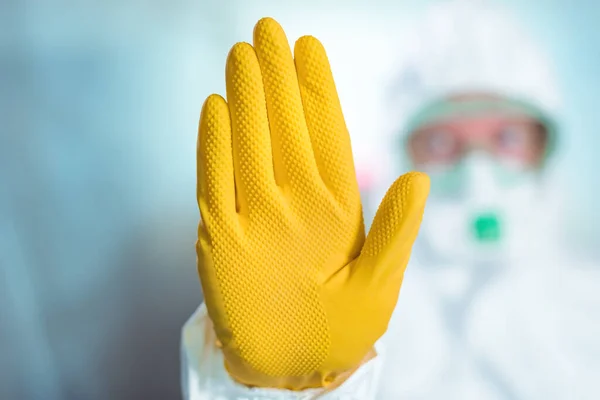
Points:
x=296 y=294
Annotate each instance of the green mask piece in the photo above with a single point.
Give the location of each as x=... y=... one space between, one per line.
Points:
x=486 y=228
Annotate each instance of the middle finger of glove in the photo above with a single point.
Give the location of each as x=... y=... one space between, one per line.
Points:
x=293 y=155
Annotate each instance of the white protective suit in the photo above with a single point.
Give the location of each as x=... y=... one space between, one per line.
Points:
x=519 y=325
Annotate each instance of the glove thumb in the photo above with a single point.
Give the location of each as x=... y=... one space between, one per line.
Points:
x=389 y=243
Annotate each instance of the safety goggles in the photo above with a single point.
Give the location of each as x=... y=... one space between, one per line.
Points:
x=512 y=131
x=515 y=140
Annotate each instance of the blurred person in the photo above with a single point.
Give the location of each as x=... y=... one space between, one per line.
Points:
x=491 y=308
x=477 y=107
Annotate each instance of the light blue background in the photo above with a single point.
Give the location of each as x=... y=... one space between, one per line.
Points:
x=99 y=102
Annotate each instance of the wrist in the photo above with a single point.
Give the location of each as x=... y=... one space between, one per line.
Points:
x=328 y=380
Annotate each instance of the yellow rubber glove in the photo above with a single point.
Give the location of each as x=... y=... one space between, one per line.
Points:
x=297 y=295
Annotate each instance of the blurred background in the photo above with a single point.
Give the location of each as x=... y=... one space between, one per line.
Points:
x=99 y=104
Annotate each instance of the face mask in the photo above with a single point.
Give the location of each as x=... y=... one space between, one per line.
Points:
x=480 y=211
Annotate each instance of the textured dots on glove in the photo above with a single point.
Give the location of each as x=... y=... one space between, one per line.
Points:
x=278 y=270
x=391 y=213
x=326 y=123
x=268 y=277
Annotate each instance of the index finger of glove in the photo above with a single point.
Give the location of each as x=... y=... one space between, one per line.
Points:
x=325 y=120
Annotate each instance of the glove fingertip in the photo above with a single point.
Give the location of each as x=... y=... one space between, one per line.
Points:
x=399 y=214
x=412 y=189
